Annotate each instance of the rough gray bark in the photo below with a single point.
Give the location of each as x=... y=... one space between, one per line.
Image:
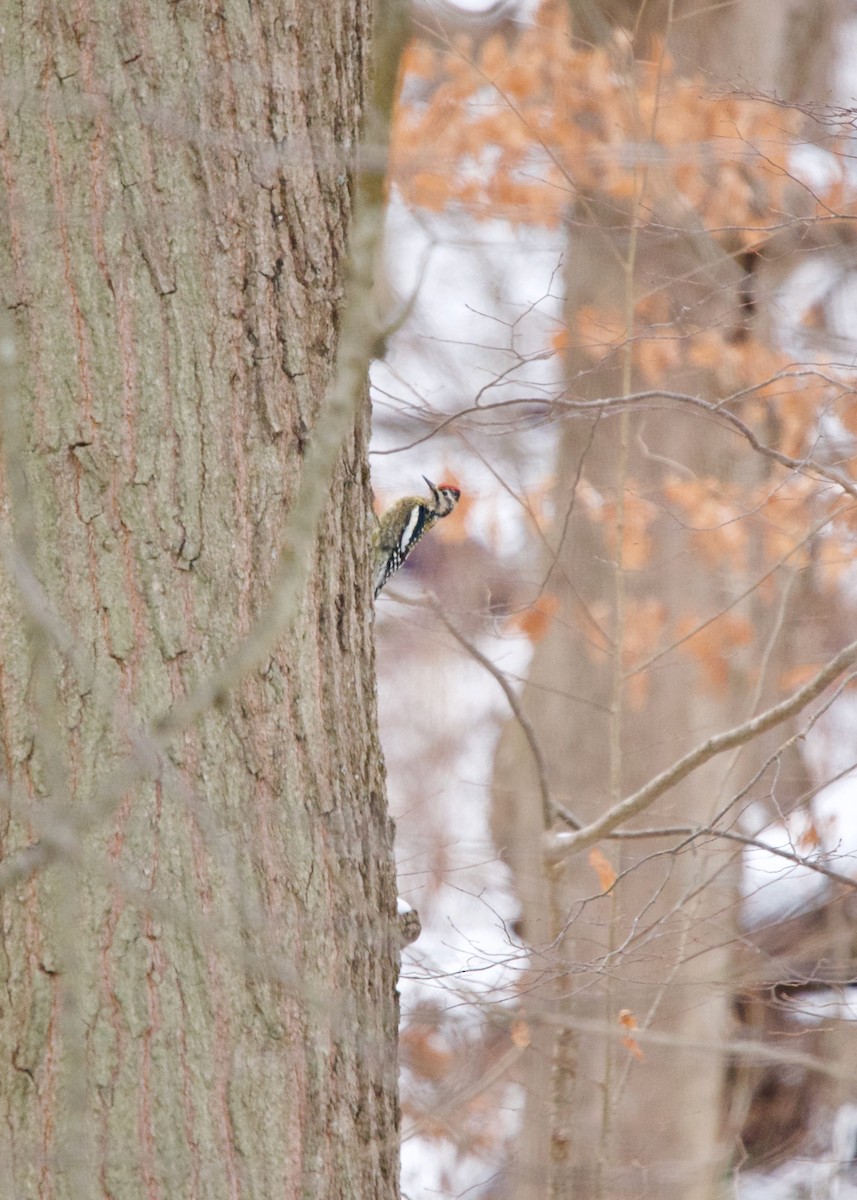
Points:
x=199 y=994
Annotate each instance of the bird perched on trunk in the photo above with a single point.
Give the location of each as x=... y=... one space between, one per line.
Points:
x=403 y=524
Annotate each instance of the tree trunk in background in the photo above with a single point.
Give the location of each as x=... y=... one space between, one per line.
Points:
x=597 y=1122
x=199 y=997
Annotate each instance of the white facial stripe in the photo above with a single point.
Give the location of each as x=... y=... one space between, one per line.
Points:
x=409 y=528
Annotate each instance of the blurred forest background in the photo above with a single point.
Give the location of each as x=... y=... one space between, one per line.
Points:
x=621 y=277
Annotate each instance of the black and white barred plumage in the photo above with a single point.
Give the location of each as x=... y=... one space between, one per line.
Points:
x=404 y=523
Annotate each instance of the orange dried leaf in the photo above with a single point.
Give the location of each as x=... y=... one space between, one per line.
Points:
x=716 y=512
x=633 y=1046
x=535 y=621
x=645 y=621
x=656 y=357
x=714 y=644
x=520 y=1034
x=810 y=838
x=494 y=55
x=425 y=1055
x=707 y=348
x=519 y=82
x=419 y=59
x=429 y=190
x=603 y=869
x=628 y=1021
x=600 y=330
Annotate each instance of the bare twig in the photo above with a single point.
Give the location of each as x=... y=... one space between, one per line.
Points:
x=560 y=841
x=550 y=808
x=620 y=404
x=752 y=587
x=745 y=1050
x=640 y=800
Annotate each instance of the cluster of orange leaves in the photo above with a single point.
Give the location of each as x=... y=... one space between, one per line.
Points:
x=743 y=533
x=523 y=128
x=519 y=127
x=663 y=348
x=741 y=529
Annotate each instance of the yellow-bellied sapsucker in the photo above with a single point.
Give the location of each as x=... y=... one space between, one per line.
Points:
x=402 y=526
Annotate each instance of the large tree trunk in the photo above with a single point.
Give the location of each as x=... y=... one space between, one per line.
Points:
x=199 y=986
x=597 y=1122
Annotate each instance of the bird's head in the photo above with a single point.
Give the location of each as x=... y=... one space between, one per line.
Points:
x=446 y=496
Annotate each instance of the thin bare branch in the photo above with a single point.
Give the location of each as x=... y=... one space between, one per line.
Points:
x=645 y=796
x=620 y=404
x=745 y=1050
x=691 y=832
x=550 y=808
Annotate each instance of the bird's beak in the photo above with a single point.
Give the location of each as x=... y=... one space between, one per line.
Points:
x=433 y=490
